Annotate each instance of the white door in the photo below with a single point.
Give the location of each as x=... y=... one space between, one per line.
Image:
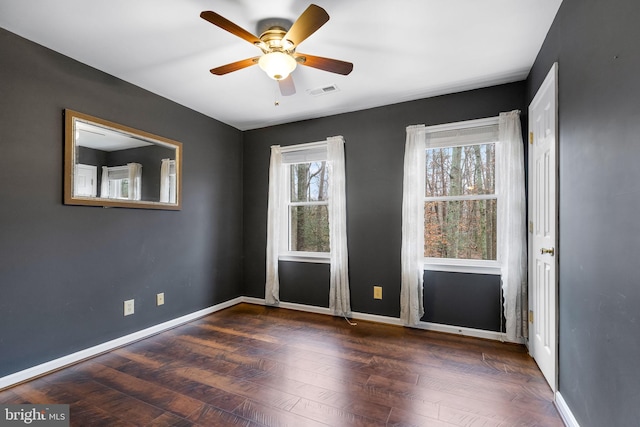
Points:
x=85 y=181
x=543 y=126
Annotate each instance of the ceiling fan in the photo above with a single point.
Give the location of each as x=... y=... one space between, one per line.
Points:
x=278 y=45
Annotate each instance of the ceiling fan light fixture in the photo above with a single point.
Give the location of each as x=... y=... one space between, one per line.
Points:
x=277 y=65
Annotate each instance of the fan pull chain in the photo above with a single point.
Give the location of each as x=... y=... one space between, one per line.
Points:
x=276 y=101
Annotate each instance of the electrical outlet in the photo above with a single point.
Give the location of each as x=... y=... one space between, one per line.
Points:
x=128 y=307
x=160 y=298
x=377 y=292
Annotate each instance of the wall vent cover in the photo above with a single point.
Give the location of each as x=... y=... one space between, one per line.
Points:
x=323 y=90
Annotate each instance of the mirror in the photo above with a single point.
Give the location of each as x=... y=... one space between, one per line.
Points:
x=111 y=165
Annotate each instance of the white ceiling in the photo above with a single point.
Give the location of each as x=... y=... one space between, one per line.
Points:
x=105 y=139
x=401 y=50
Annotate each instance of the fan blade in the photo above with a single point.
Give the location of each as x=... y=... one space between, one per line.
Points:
x=287 y=87
x=234 y=66
x=326 y=64
x=308 y=23
x=229 y=26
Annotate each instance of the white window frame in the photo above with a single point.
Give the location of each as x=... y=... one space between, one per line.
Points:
x=284 y=241
x=117 y=175
x=454 y=264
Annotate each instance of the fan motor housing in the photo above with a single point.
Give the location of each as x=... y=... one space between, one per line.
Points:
x=268 y=23
x=272 y=32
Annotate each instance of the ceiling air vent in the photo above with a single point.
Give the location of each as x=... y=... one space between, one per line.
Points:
x=323 y=90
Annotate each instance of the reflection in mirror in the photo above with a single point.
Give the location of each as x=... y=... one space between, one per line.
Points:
x=108 y=164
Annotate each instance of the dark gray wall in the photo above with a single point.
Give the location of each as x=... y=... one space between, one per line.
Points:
x=374 y=153
x=596 y=46
x=91 y=156
x=66 y=270
x=462 y=299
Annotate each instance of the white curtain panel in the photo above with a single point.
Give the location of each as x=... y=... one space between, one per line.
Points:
x=135 y=181
x=165 y=180
x=512 y=218
x=104 y=183
x=412 y=253
x=272 y=285
x=339 y=301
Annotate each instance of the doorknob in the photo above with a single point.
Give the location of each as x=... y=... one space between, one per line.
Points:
x=549 y=251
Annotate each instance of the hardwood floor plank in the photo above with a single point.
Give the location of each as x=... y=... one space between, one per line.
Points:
x=400 y=395
x=136 y=356
x=238 y=358
x=170 y=420
x=322 y=364
x=146 y=391
x=459 y=417
x=369 y=409
x=339 y=383
x=212 y=396
x=110 y=401
x=330 y=348
x=505 y=410
x=506 y=417
x=305 y=390
x=333 y=416
x=306 y=357
x=267 y=340
x=407 y=418
x=40 y=392
x=274 y=417
x=432 y=366
x=256 y=366
x=269 y=396
x=84 y=414
x=8 y=397
x=212 y=416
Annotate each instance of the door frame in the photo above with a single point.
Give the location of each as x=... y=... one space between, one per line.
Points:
x=552 y=74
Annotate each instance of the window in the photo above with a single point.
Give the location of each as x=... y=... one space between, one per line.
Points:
x=121 y=182
x=305 y=191
x=460 y=198
x=463 y=208
x=118 y=182
x=307 y=216
x=308 y=213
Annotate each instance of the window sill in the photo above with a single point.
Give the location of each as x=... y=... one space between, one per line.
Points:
x=313 y=257
x=466 y=266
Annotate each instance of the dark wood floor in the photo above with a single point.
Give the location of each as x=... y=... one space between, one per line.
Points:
x=256 y=366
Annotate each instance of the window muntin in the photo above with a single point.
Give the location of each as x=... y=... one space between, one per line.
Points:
x=307 y=207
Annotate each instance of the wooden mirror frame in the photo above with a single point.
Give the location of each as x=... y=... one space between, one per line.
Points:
x=70 y=155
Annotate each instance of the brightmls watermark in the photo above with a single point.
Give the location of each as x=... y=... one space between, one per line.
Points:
x=34 y=415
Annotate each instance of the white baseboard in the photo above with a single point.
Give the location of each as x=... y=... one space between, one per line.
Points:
x=468 y=332
x=289 y=306
x=457 y=330
x=377 y=318
x=70 y=359
x=565 y=412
